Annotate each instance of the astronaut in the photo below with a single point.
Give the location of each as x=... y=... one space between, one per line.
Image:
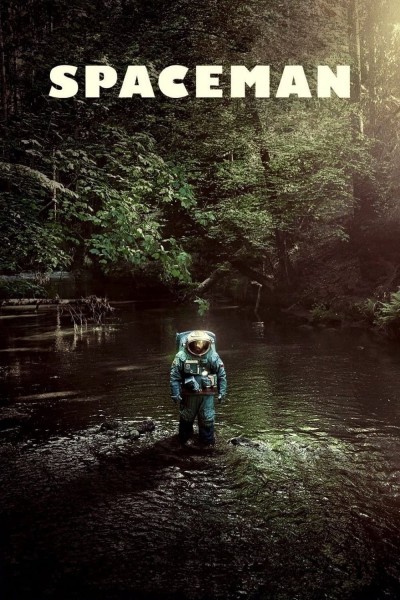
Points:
x=197 y=376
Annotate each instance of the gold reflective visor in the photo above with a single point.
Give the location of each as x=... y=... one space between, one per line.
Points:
x=199 y=347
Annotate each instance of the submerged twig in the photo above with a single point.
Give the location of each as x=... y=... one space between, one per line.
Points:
x=92 y=309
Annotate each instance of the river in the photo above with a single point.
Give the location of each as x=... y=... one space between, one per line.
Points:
x=309 y=512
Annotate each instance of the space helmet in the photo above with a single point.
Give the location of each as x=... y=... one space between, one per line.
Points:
x=198 y=343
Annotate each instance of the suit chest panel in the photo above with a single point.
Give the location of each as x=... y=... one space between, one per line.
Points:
x=195 y=366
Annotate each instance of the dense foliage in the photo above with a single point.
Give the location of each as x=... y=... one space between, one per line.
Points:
x=298 y=195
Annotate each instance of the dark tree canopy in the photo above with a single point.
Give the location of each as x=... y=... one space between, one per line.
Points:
x=274 y=190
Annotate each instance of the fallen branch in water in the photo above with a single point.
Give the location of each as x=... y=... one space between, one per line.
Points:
x=36 y=301
x=81 y=311
x=88 y=309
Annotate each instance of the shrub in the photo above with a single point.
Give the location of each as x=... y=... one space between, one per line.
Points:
x=321 y=313
x=203 y=306
x=368 y=310
x=388 y=314
x=20 y=288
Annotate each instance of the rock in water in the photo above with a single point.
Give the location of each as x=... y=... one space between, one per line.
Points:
x=145 y=426
x=132 y=434
x=245 y=441
x=108 y=426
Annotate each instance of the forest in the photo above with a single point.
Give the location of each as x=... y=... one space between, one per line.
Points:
x=268 y=220
x=206 y=197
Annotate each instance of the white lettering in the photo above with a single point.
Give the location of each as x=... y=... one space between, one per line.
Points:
x=241 y=76
x=206 y=81
x=339 y=83
x=98 y=76
x=171 y=83
x=68 y=85
x=136 y=81
x=293 y=81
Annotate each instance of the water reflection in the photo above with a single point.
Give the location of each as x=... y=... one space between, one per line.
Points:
x=258 y=329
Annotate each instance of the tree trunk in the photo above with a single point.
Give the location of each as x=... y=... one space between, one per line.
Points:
x=3 y=74
x=242 y=267
x=364 y=193
x=54 y=192
x=219 y=273
x=285 y=267
x=370 y=80
x=355 y=55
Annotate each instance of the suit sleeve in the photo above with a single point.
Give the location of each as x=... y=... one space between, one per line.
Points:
x=175 y=379
x=221 y=376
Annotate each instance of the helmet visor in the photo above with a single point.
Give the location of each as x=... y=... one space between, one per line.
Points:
x=199 y=347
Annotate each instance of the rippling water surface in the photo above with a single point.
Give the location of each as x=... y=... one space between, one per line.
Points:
x=310 y=511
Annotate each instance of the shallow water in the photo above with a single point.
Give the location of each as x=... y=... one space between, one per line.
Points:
x=311 y=512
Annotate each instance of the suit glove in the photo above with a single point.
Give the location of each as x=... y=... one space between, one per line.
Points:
x=177 y=398
x=221 y=398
